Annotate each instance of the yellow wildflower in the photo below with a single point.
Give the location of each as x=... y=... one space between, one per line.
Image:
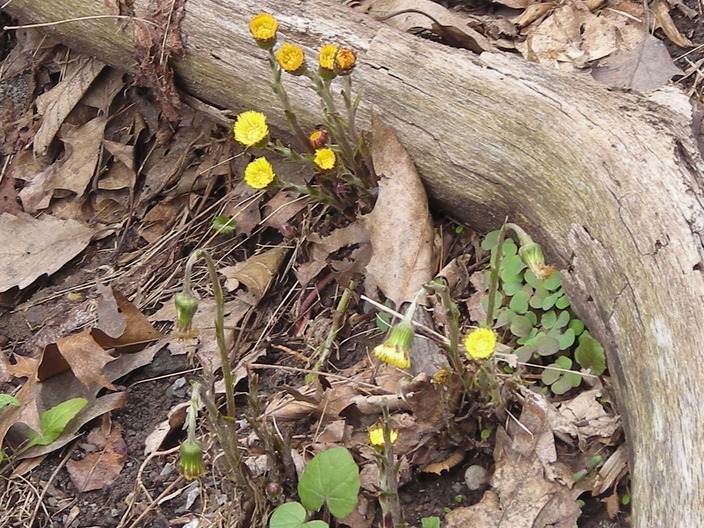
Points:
x=480 y=343
x=250 y=128
x=325 y=159
x=326 y=59
x=396 y=350
x=345 y=60
x=290 y=58
x=318 y=138
x=376 y=436
x=259 y=173
x=263 y=27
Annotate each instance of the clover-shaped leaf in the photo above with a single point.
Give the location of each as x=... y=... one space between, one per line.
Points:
x=519 y=302
x=292 y=515
x=558 y=380
x=566 y=340
x=332 y=477
x=546 y=345
x=590 y=354
x=577 y=325
x=553 y=282
x=505 y=317
x=562 y=319
x=562 y=302
x=548 y=319
x=521 y=326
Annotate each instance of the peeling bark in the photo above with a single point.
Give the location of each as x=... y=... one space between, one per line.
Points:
x=610 y=182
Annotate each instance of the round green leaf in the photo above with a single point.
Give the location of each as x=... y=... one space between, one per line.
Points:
x=548 y=320
x=546 y=345
x=590 y=354
x=524 y=353
x=490 y=240
x=332 y=477
x=511 y=288
x=562 y=319
x=505 y=317
x=511 y=268
x=562 y=303
x=577 y=325
x=292 y=515
x=561 y=386
x=575 y=379
x=521 y=326
x=519 y=302
x=554 y=282
x=510 y=248
x=531 y=279
x=550 y=376
x=498 y=302
x=549 y=301
x=532 y=317
x=224 y=225
x=566 y=340
x=536 y=301
x=564 y=362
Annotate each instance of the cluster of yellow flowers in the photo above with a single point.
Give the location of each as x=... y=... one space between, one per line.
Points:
x=250 y=128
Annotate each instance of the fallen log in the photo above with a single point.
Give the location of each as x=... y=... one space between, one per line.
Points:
x=610 y=182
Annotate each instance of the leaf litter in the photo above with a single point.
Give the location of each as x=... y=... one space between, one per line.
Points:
x=89 y=351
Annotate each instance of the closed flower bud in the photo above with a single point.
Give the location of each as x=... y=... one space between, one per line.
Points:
x=318 y=138
x=532 y=255
x=345 y=60
x=396 y=350
x=186 y=307
x=190 y=460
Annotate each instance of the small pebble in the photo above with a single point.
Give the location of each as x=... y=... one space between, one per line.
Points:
x=475 y=477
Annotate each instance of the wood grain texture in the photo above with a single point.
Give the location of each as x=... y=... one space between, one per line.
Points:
x=609 y=182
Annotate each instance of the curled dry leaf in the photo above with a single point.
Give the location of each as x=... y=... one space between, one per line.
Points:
x=664 y=20
x=400 y=227
x=257 y=272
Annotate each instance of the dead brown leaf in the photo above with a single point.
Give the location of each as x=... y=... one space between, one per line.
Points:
x=80 y=353
x=613 y=470
x=103 y=464
x=644 y=68
x=664 y=20
x=110 y=319
x=256 y=273
x=485 y=514
x=37 y=246
x=400 y=227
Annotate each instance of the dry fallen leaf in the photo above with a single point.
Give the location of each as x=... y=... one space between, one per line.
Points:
x=37 y=246
x=102 y=466
x=645 y=68
x=257 y=272
x=400 y=226
x=57 y=103
x=664 y=20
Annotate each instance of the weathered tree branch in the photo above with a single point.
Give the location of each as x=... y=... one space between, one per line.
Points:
x=611 y=182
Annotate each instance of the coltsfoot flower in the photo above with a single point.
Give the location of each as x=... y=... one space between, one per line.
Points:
x=397 y=349
x=480 y=343
x=345 y=59
x=290 y=58
x=318 y=138
x=250 y=129
x=325 y=159
x=190 y=460
x=376 y=436
x=263 y=28
x=259 y=173
x=326 y=58
x=532 y=255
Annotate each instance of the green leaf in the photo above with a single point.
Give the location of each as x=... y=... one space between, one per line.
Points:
x=536 y=301
x=521 y=326
x=498 y=302
x=383 y=319
x=224 y=225
x=548 y=320
x=509 y=248
x=549 y=301
x=564 y=362
x=6 y=399
x=566 y=340
x=511 y=268
x=561 y=386
x=292 y=515
x=577 y=325
x=524 y=353
x=590 y=354
x=562 y=319
x=554 y=282
x=550 y=376
x=546 y=345
x=519 y=302
x=532 y=317
x=332 y=477
x=430 y=522
x=53 y=421
x=563 y=302
x=511 y=288
x=490 y=240
x=534 y=281
x=505 y=317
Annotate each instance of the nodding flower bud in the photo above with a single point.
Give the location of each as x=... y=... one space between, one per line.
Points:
x=396 y=350
x=532 y=255
x=190 y=460
x=186 y=307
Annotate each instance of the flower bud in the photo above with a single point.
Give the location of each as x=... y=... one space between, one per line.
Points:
x=396 y=350
x=186 y=307
x=190 y=460
x=318 y=138
x=532 y=255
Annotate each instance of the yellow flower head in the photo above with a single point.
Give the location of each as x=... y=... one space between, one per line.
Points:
x=376 y=436
x=259 y=173
x=263 y=27
x=326 y=59
x=325 y=159
x=480 y=343
x=345 y=60
x=290 y=58
x=396 y=350
x=250 y=128
x=318 y=138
